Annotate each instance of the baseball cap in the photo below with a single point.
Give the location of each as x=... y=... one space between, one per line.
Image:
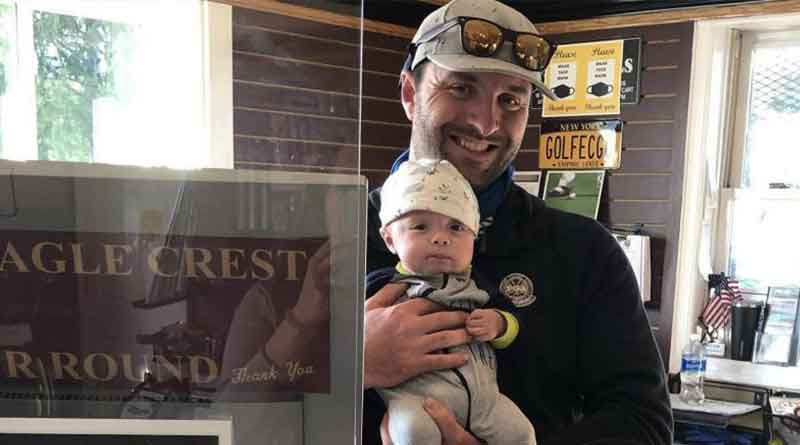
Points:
x=429 y=184
x=447 y=51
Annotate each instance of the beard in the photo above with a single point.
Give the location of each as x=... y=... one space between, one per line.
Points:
x=429 y=141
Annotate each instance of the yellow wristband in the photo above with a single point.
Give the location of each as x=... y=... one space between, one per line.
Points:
x=512 y=330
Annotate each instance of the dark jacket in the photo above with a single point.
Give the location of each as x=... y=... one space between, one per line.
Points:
x=585 y=368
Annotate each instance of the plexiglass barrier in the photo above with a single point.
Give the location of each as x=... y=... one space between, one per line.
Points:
x=218 y=305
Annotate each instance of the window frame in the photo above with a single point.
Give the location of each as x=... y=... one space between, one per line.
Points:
x=733 y=158
x=748 y=40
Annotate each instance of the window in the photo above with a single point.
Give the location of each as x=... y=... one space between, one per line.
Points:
x=761 y=201
x=116 y=81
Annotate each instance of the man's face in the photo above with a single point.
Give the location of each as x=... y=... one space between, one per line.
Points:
x=474 y=120
x=430 y=243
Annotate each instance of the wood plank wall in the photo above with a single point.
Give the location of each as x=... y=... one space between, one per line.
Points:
x=295 y=93
x=647 y=188
x=296 y=102
x=296 y=107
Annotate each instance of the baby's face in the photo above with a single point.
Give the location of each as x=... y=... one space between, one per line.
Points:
x=429 y=243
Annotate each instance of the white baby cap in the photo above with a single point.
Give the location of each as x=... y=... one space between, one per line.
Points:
x=429 y=184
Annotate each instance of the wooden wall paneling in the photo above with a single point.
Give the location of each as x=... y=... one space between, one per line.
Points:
x=266 y=166
x=641 y=160
x=293 y=47
x=294 y=126
x=531 y=139
x=281 y=98
x=659 y=80
x=379 y=157
x=387 y=42
x=653 y=311
x=650 y=108
x=376 y=133
x=656 y=34
x=678 y=15
x=661 y=53
x=383 y=85
x=296 y=93
x=635 y=211
x=535 y=115
x=329 y=13
x=384 y=110
x=385 y=128
x=646 y=189
x=643 y=186
x=383 y=60
x=648 y=134
x=674 y=221
x=295 y=73
x=275 y=151
x=527 y=159
x=297 y=25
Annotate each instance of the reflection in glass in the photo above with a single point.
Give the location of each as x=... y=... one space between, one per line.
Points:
x=154 y=293
x=77 y=60
x=144 y=291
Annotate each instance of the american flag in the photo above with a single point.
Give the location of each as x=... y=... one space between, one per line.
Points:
x=717 y=312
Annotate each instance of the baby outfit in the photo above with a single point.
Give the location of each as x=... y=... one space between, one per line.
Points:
x=471 y=391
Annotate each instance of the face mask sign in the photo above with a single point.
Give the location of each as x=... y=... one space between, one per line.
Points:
x=563 y=91
x=600 y=89
x=585 y=79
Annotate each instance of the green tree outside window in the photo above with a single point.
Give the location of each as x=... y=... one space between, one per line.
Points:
x=76 y=58
x=5 y=46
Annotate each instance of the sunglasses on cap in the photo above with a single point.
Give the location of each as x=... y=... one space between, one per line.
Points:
x=483 y=38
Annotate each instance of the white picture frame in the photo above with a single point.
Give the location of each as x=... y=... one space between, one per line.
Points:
x=219 y=432
x=583 y=198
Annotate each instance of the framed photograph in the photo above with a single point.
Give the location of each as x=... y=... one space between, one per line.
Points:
x=31 y=431
x=528 y=180
x=575 y=191
x=776 y=336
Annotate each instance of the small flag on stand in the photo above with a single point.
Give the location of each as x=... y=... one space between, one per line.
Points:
x=717 y=313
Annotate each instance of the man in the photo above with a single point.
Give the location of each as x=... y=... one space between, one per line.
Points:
x=587 y=369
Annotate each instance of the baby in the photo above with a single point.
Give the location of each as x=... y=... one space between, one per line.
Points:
x=430 y=218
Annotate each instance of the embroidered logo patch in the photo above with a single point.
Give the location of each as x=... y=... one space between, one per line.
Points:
x=519 y=289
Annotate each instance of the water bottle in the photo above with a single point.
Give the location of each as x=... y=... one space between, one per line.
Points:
x=693 y=370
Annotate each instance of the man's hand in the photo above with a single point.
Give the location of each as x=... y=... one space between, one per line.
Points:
x=452 y=432
x=405 y=340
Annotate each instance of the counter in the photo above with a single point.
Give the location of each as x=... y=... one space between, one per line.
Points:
x=776 y=378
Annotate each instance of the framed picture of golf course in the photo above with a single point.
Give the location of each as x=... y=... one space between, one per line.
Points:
x=575 y=191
